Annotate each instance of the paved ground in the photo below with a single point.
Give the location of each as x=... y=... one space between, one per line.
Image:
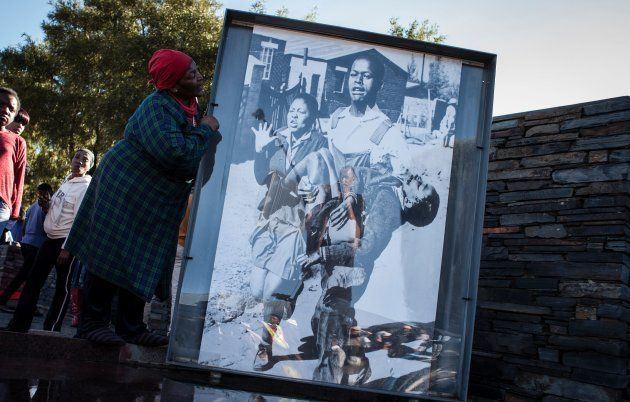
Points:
x=38 y=321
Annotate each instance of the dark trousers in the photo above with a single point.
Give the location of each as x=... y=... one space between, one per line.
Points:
x=28 y=255
x=97 y=308
x=44 y=262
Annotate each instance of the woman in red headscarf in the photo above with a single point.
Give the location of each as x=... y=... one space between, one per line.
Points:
x=126 y=230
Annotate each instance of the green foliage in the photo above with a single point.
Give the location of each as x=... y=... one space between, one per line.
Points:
x=258 y=7
x=424 y=31
x=311 y=15
x=88 y=75
x=282 y=12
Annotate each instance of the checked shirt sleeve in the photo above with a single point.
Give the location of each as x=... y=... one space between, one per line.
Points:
x=174 y=146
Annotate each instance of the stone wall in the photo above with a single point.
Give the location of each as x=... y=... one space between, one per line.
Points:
x=553 y=312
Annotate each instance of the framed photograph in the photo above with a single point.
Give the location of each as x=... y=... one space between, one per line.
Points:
x=336 y=240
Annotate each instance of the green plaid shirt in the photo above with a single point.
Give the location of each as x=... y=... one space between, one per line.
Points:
x=127 y=226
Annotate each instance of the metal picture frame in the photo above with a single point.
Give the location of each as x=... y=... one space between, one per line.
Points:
x=418 y=106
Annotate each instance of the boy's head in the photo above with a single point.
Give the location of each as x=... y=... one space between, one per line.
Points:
x=20 y=122
x=44 y=192
x=365 y=79
x=9 y=106
x=82 y=162
x=420 y=201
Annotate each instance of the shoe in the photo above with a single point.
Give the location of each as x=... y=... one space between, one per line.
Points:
x=261 y=361
x=104 y=336
x=11 y=327
x=150 y=339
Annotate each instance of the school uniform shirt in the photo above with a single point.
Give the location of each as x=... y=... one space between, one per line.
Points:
x=64 y=206
x=370 y=140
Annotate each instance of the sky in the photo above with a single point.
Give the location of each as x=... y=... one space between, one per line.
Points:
x=549 y=52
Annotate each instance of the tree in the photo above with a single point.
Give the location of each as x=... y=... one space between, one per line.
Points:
x=81 y=83
x=282 y=12
x=311 y=16
x=258 y=7
x=424 y=31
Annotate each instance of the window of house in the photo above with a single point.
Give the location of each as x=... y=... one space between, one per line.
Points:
x=314 y=84
x=268 y=48
x=340 y=78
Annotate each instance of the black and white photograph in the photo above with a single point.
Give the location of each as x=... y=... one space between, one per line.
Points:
x=330 y=246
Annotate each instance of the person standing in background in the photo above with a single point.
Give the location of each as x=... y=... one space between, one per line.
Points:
x=12 y=159
x=20 y=122
x=61 y=214
x=33 y=237
x=14 y=228
x=447 y=125
x=156 y=308
x=17 y=227
x=179 y=256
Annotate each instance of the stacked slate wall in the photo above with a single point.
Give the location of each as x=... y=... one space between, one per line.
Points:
x=553 y=311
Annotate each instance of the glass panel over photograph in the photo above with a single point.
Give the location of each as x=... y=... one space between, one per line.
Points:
x=310 y=276
x=319 y=245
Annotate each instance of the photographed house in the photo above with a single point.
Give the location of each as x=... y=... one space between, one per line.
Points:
x=270 y=54
x=273 y=77
x=309 y=72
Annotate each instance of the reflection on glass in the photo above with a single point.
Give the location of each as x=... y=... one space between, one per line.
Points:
x=329 y=252
x=207 y=394
x=310 y=276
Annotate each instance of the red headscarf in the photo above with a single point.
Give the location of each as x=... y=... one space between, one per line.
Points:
x=166 y=68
